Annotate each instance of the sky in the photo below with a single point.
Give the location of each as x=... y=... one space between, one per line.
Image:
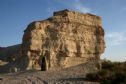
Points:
x=15 y=15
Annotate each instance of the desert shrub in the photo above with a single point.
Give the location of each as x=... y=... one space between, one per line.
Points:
x=91 y=76
x=101 y=76
x=104 y=75
x=106 y=82
x=107 y=65
x=111 y=73
x=120 y=77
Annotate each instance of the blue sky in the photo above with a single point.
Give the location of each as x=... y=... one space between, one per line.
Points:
x=15 y=15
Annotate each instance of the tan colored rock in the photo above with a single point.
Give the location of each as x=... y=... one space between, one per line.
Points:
x=67 y=39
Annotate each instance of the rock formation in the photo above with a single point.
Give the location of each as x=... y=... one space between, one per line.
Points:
x=66 y=39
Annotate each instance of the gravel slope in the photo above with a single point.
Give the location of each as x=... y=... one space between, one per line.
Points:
x=72 y=75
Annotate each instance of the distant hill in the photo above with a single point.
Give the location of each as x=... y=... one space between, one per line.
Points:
x=7 y=53
x=2 y=48
x=9 y=57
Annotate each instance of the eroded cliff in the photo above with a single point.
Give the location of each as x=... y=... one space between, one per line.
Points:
x=66 y=39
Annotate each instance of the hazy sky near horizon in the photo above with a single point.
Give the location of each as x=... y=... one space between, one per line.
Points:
x=15 y=15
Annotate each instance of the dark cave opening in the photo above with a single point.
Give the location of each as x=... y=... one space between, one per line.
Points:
x=43 y=64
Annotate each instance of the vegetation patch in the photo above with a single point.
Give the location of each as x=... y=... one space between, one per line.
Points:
x=111 y=73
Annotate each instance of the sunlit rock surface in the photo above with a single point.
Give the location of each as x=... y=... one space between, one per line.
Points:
x=66 y=39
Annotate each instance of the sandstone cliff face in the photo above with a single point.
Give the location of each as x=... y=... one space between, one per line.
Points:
x=67 y=39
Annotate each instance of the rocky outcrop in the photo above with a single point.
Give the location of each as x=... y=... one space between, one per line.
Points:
x=66 y=39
